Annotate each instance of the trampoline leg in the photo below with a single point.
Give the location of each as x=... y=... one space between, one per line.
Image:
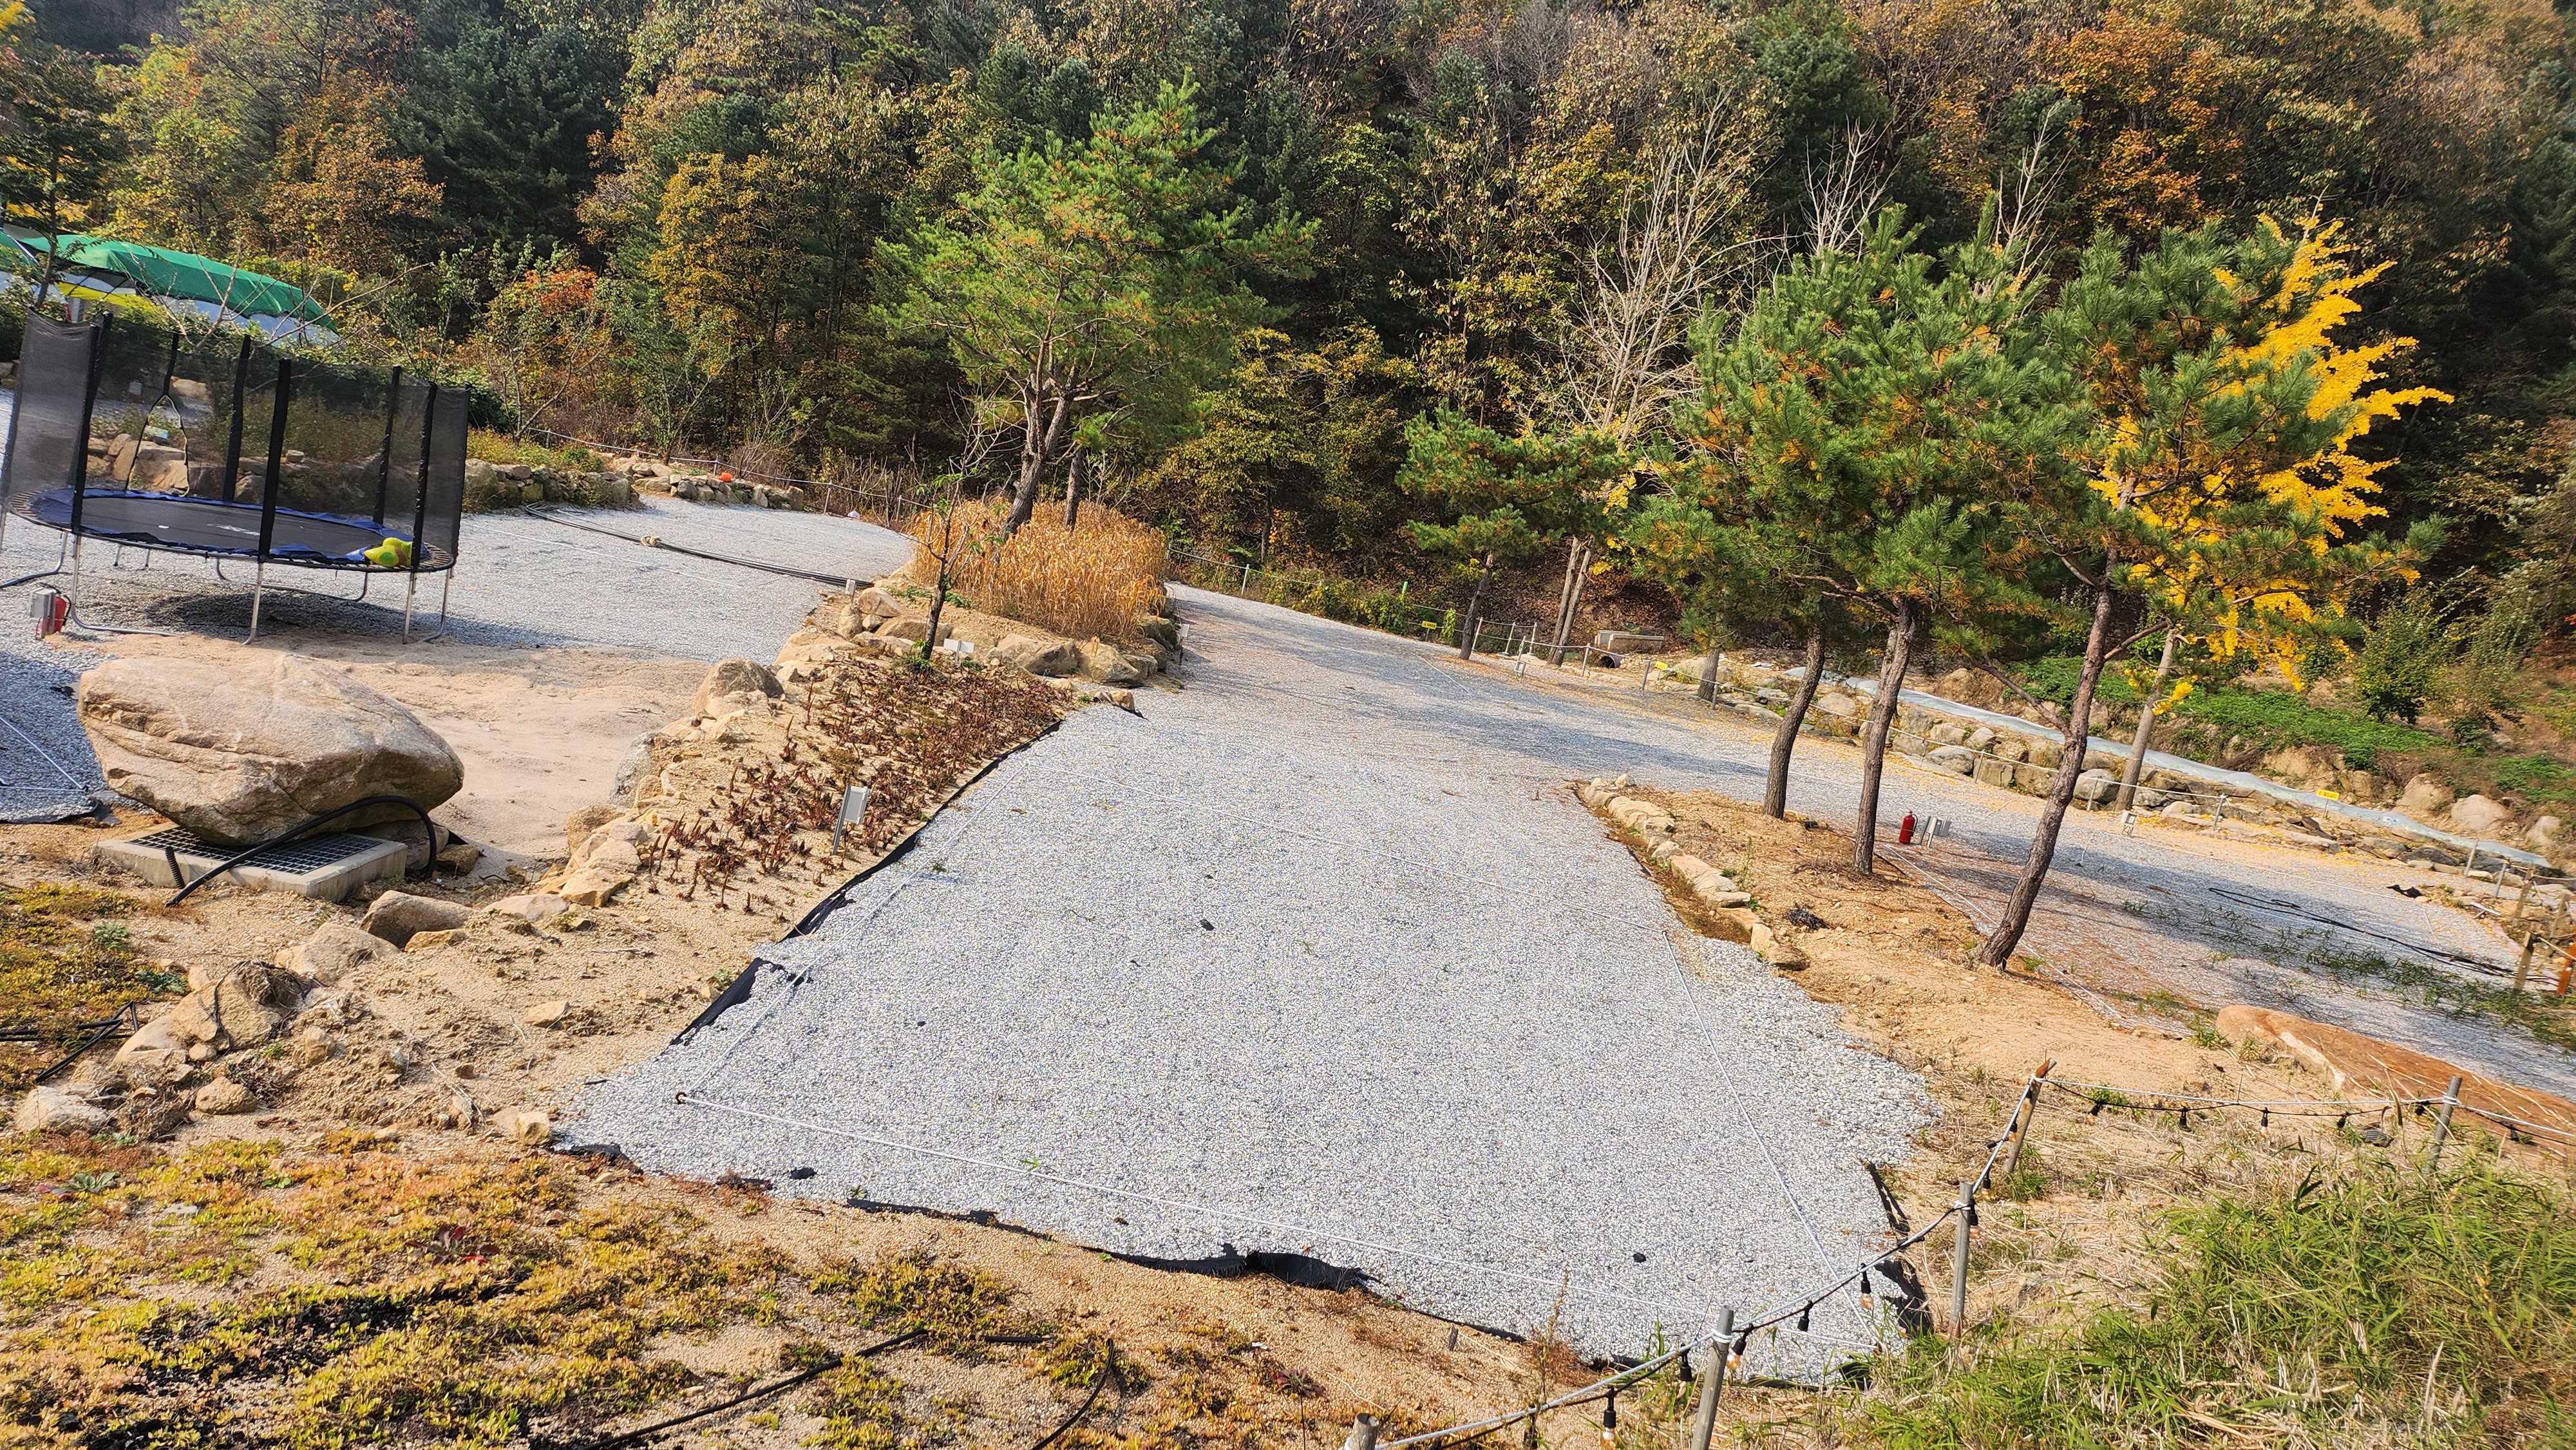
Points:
x=411 y=586
x=444 y=580
x=258 y=585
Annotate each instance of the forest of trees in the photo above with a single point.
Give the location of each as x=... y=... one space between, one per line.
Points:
x=1233 y=264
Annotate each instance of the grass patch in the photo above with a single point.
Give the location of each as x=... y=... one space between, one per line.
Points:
x=397 y=1300
x=502 y=449
x=915 y=1289
x=2376 y=1308
x=66 y=957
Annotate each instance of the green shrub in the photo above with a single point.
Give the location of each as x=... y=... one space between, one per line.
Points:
x=2401 y=659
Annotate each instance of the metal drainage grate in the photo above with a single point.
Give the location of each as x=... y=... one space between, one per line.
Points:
x=311 y=853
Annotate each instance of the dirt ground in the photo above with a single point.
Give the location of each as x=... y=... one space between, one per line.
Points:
x=540 y=731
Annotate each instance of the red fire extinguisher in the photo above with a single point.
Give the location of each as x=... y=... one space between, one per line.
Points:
x=1905 y=830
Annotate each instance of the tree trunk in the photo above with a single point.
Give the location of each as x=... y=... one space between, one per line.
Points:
x=1038 y=438
x=939 y=583
x=1998 y=950
x=1775 y=789
x=1873 y=740
x=1578 y=567
x=1073 y=486
x=2138 y=743
x=1706 y=694
x=1475 y=602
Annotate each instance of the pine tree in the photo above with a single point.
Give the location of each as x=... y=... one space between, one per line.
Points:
x=2216 y=484
x=1508 y=496
x=1858 y=426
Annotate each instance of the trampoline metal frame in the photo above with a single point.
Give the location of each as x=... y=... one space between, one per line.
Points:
x=75 y=536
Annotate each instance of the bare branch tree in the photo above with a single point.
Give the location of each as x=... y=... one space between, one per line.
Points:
x=1623 y=359
x=1843 y=193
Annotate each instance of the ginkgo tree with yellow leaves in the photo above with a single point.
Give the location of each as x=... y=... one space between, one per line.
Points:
x=2214 y=492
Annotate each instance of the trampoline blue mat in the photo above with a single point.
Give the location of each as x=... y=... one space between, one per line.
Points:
x=212 y=526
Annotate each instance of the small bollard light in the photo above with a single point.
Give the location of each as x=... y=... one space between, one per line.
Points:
x=854 y=809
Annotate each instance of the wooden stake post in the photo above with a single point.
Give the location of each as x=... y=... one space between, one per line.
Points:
x=1714 y=1381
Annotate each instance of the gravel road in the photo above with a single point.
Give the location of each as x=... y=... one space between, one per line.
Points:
x=1317 y=957
x=521 y=581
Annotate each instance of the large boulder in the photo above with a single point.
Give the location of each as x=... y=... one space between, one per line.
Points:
x=1040 y=656
x=2478 y=815
x=240 y=751
x=2096 y=786
x=2424 y=796
x=1112 y=666
x=1956 y=759
x=2544 y=832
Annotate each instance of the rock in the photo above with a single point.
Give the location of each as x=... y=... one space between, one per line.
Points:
x=1625 y=641
x=1643 y=817
x=2478 y=815
x=1108 y=664
x=224 y=1095
x=1947 y=733
x=459 y=857
x=398 y=916
x=1981 y=738
x=1163 y=634
x=606 y=863
x=2096 y=786
x=736 y=677
x=2544 y=832
x=1835 y=702
x=52 y=1110
x=535 y=910
x=528 y=1126
x=884 y=604
x=1774 y=948
x=430 y=941
x=1956 y=759
x=239 y=1006
x=2423 y=796
x=1994 y=772
x=585 y=823
x=1040 y=656
x=202 y=1052
x=334 y=950
x=548 y=1014
x=914 y=628
x=2010 y=747
x=240 y=751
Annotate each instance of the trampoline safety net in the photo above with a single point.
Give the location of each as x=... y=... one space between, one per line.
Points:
x=218 y=447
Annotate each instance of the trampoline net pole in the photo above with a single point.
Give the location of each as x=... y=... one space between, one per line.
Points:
x=276 y=467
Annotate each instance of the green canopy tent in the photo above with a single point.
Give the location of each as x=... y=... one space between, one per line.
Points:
x=188 y=283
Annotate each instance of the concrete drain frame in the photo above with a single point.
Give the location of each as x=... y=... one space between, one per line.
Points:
x=325 y=867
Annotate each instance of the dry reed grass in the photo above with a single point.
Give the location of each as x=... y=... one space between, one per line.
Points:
x=1093 y=580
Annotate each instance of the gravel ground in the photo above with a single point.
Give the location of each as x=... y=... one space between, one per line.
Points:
x=522 y=580
x=2136 y=913
x=1317 y=957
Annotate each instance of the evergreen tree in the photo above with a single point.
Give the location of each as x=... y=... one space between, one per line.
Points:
x=1506 y=498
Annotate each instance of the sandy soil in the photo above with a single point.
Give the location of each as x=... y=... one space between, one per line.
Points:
x=540 y=731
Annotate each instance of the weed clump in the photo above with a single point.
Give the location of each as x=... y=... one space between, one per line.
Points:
x=1089 y=581
x=2379 y=1307
x=66 y=957
x=914 y=1289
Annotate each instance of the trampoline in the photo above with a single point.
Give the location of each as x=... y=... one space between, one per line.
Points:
x=136 y=438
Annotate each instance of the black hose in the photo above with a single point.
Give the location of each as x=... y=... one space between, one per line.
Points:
x=756 y=1392
x=327 y=816
x=124 y=1018
x=782 y=570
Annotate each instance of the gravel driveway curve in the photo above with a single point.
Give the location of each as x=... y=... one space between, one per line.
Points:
x=1317 y=957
